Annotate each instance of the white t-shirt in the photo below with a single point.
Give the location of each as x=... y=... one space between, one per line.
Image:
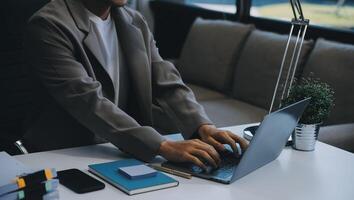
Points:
x=108 y=43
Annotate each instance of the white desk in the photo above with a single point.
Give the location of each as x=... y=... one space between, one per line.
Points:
x=326 y=173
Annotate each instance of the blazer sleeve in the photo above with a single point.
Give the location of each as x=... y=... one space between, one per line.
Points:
x=177 y=99
x=50 y=56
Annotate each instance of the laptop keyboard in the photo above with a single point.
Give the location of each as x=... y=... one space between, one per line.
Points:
x=225 y=170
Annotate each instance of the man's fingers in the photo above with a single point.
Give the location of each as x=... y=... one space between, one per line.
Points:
x=210 y=150
x=240 y=140
x=224 y=137
x=205 y=156
x=216 y=144
x=195 y=160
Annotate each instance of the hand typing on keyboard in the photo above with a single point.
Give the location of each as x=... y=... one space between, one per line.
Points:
x=218 y=138
x=228 y=161
x=203 y=150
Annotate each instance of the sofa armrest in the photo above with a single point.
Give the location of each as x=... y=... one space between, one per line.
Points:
x=341 y=136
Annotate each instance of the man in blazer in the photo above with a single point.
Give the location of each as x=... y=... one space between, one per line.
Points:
x=78 y=92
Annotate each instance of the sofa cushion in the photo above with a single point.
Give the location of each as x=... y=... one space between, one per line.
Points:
x=258 y=67
x=229 y=112
x=210 y=52
x=202 y=93
x=341 y=136
x=333 y=63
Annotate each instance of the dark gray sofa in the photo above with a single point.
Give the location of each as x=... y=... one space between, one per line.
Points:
x=232 y=69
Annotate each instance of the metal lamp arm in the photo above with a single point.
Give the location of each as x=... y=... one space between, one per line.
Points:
x=301 y=24
x=297 y=9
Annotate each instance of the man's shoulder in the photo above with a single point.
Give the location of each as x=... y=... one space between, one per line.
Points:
x=131 y=12
x=136 y=17
x=54 y=11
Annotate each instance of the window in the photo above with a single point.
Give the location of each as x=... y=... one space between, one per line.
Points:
x=332 y=13
x=228 y=6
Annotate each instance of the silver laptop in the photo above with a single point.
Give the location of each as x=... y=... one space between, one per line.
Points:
x=267 y=144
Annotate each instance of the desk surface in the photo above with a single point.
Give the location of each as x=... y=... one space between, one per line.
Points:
x=326 y=173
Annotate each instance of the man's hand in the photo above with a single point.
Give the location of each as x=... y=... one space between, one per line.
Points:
x=192 y=151
x=215 y=137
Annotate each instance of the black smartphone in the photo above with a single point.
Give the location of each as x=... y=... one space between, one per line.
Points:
x=79 y=181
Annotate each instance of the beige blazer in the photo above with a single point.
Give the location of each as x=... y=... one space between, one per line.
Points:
x=73 y=93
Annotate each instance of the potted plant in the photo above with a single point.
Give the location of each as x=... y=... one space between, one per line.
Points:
x=322 y=100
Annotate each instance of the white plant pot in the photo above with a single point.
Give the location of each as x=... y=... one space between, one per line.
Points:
x=305 y=136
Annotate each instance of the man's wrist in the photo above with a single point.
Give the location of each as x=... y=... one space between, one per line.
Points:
x=205 y=128
x=163 y=147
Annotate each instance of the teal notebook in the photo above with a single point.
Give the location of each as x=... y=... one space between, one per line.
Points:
x=109 y=172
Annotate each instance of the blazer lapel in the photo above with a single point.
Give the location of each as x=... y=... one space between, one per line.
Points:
x=91 y=42
x=135 y=53
x=82 y=21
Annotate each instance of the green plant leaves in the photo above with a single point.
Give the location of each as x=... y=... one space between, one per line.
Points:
x=322 y=98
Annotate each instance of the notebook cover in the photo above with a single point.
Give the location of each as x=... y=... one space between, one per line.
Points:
x=109 y=172
x=12 y=186
x=9 y=169
x=53 y=195
x=50 y=187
